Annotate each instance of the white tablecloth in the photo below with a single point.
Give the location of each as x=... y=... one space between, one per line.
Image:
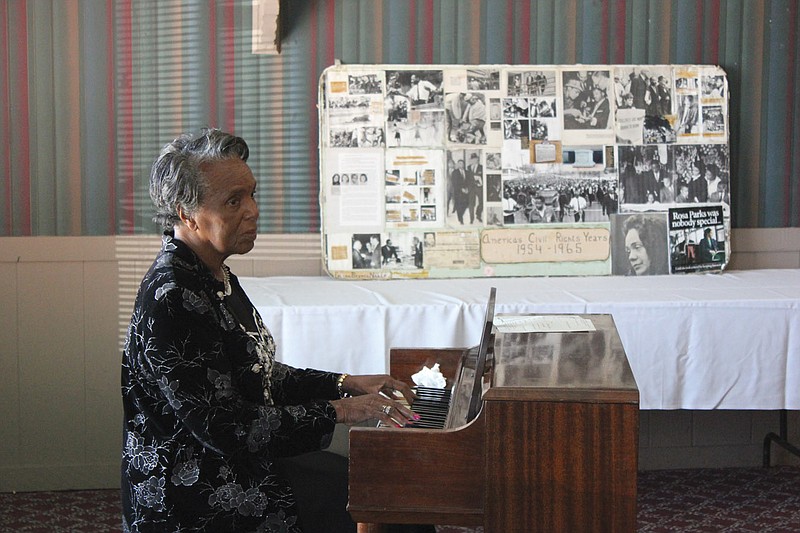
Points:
x=704 y=341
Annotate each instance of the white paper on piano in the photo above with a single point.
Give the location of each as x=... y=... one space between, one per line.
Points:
x=430 y=377
x=541 y=323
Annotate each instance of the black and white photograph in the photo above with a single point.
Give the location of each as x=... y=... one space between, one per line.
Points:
x=516 y=128
x=402 y=251
x=531 y=83
x=495 y=110
x=686 y=81
x=396 y=106
x=550 y=194
x=369 y=136
x=494 y=187
x=688 y=114
x=640 y=244
x=586 y=104
x=354 y=110
x=530 y=202
x=466 y=117
x=647 y=175
x=648 y=88
x=343 y=137
x=465 y=187
x=353 y=123
x=345 y=109
x=658 y=129
x=540 y=130
x=366 y=250
x=543 y=107
x=494 y=215
x=483 y=79
x=493 y=161
x=712 y=87
x=703 y=173
x=517 y=107
x=423 y=88
x=364 y=84
x=713 y=120
x=516 y=118
x=544 y=123
x=420 y=129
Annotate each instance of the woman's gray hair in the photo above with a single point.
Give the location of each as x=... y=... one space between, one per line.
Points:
x=176 y=179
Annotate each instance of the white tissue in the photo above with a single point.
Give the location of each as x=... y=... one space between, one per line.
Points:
x=430 y=377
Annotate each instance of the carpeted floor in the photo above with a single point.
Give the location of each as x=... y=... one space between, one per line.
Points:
x=762 y=500
x=758 y=499
x=62 y=511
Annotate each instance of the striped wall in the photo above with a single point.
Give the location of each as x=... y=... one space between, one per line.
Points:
x=90 y=89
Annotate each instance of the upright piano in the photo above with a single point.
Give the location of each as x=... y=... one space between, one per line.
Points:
x=553 y=446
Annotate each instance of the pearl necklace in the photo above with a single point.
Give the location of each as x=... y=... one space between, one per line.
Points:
x=226 y=280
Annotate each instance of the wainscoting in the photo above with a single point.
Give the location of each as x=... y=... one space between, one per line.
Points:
x=65 y=304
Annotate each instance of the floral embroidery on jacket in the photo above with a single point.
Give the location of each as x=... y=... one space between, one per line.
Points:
x=208 y=409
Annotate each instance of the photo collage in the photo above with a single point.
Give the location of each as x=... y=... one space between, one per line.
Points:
x=454 y=170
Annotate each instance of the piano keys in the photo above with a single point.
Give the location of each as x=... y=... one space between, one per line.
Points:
x=554 y=445
x=431 y=404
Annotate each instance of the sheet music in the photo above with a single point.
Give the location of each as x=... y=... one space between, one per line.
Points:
x=542 y=323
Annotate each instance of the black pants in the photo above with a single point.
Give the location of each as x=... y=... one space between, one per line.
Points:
x=319 y=483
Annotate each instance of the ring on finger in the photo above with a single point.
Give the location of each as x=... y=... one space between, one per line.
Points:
x=386 y=409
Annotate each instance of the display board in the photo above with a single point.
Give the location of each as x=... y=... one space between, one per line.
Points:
x=447 y=171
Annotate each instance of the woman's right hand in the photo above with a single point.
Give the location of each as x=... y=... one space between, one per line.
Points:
x=356 y=409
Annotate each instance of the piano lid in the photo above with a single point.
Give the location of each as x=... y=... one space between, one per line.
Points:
x=560 y=361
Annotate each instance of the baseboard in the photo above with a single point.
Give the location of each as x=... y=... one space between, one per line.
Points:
x=60 y=477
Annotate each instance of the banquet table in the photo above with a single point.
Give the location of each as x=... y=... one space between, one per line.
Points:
x=727 y=340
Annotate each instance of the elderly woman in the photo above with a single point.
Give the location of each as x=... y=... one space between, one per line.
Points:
x=645 y=244
x=210 y=416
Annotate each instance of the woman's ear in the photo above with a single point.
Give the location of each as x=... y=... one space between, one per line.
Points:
x=186 y=218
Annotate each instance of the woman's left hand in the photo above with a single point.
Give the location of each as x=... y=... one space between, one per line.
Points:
x=378 y=383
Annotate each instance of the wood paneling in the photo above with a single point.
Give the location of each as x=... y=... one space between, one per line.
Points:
x=9 y=365
x=51 y=368
x=562 y=467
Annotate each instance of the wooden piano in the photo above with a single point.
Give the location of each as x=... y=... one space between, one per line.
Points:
x=553 y=447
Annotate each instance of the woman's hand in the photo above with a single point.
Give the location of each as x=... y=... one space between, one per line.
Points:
x=372 y=406
x=374 y=384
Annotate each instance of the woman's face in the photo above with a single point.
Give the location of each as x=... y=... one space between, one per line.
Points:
x=227 y=219
x=637 y=253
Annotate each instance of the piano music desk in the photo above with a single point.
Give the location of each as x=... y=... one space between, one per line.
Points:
x=553 y=449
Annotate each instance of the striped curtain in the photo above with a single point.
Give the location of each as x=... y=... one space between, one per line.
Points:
x=90 y=89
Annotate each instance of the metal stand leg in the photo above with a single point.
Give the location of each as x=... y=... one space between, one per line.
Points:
x=370 y=528
x=781 y=440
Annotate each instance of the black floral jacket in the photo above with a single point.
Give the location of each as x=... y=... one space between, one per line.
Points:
x=208 y=408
